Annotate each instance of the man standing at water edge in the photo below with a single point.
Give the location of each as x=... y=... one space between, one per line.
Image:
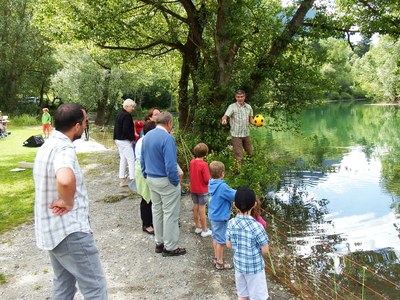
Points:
x=160 y=168
x=240 y=116
x=62 y=210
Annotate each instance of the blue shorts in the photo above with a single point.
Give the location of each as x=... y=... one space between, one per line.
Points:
x=219 y=231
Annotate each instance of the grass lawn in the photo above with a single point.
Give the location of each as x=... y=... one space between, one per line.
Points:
x=17 y=191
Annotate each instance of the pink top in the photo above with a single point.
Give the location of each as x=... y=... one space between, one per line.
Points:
x=262 y=221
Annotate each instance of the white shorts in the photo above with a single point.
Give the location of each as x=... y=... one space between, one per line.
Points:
x=252 y=286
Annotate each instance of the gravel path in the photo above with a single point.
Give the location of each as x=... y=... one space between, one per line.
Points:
x=133 y=269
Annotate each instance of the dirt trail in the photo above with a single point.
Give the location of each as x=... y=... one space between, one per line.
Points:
x=133 y=269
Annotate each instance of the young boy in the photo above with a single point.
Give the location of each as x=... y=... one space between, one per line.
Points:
x=219 y=211
x=46 y=122
x=249 y=242
x=199 y=177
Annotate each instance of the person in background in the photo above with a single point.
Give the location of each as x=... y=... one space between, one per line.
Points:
x=46 y=122
x=87 y=130
x=124 y=137
x=249 y=242
x=141 y=184
x=219 y=211
x=159 y=167
x=151 y=116
x=256 y=214
x=199 y=174
x=240 y=115
x=2 y=132
x=62 y=224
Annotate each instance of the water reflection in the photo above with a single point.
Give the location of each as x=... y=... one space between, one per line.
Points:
x=351 y=211
x=359 y=208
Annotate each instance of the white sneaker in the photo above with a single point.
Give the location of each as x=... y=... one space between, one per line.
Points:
x=198 y=230
x=206 y=233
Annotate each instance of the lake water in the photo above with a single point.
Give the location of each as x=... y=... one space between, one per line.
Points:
x=354 y=205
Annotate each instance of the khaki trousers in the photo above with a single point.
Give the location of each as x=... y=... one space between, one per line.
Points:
x=239 y=144
x=166 y=200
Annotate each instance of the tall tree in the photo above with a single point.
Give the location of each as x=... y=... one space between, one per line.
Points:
x=26 y=57
x=223 y=44
x=372 y=16
x=378 y=71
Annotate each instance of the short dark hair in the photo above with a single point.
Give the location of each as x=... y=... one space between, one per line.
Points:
x=245 y=198
x=200 y=150
x=240 y=92
x=149 y=126
x=67 y=115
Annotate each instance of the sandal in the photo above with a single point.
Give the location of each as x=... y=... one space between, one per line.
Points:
x=151 y=232
x=215 y=261
x=223 y=266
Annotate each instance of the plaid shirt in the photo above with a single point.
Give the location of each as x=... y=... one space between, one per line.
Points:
x=239 y=119
x=57 y=152
x=247 y=236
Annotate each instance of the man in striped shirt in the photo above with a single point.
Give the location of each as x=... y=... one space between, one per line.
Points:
x=240 y=115
x=62 y=210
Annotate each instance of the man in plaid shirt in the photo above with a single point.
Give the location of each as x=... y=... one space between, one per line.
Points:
x=240 y=115
x=249 y=242
x=62 y=210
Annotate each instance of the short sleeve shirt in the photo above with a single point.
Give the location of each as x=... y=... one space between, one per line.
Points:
x=247 y=236
x=239 y=119
x=56 y=153
x=46 y=118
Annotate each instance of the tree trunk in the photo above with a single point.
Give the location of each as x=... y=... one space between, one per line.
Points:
x=100 y=113
x=279 y=45
x=102 y=103
x=183 y=100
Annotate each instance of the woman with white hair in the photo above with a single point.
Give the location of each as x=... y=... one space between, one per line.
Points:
x=124 y=137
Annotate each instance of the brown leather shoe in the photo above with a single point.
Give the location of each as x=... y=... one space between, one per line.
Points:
x=176 y=252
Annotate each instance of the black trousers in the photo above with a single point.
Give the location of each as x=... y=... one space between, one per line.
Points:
x=146 y=214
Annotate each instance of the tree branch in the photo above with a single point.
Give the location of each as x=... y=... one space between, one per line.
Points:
x=158 y=5
x=177 y=46
x=280 y=44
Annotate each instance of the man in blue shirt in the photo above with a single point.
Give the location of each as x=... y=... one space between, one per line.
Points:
x=159 y=167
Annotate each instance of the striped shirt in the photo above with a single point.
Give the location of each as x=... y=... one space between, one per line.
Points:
x=247 y=236
x=57 y=152
x=239 y=119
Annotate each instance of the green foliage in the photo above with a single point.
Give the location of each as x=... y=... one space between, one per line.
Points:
x=373 y=16
x=338 y=69
x=26 y=56
x=260 y=171
x=93 y=77
x=3 y=278
x=207 y=127
x=378 y=71
x=25 y=120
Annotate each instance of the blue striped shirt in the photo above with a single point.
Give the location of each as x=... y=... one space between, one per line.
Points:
x=247 y=236
x=56 y=153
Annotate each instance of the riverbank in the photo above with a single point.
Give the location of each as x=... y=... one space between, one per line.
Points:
x=133 y=269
